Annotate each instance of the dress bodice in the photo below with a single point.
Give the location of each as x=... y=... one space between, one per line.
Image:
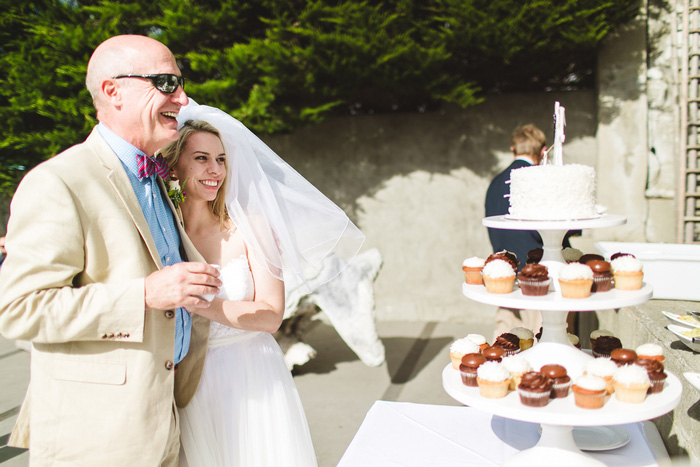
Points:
x=237 y=285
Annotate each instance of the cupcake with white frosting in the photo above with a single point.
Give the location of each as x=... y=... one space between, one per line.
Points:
x=493 y=380
x=650 y=352
x=459 y=349
x=499 y=277
x=589 y=391
x=602 y=367
x=517 y=366
x=472 y=270
x=627 y=272
x=479 y=340
x=576 y=280
x=631 y=383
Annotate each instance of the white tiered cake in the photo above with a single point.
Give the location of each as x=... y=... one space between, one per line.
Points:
x=553 y=192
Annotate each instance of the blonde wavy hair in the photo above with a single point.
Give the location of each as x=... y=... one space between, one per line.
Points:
x=174 y=150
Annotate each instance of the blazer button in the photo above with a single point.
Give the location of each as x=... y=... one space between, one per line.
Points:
x=169 y=365
x=169 y=314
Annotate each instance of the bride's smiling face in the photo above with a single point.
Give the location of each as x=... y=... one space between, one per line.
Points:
x=203 y=164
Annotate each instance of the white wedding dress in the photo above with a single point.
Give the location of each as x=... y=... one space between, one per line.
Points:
x=246 y=411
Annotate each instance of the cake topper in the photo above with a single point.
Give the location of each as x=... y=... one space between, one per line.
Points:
x=556 y=150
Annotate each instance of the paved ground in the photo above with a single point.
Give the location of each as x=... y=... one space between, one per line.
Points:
x=337 y=389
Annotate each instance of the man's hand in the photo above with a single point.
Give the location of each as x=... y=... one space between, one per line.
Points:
x=181 y=285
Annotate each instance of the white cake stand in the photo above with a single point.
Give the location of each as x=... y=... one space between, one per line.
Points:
x=557 y=445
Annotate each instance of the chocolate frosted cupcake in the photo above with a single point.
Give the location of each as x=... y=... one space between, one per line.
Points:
x=602 y=275
x=534 y=255
x=655 y=371
x=561 y=382
x=509 y=342
x=590 y=256
x=470 y=363
x=534 y=279
x=493 y=353
x=597 y=333
x=534 y=389
x=604 y=345
x=623 y=356
x=506 y=256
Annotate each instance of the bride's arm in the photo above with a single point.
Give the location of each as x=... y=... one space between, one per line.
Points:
x=264 y=313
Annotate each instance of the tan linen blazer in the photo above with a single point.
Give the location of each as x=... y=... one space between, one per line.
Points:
x=102 y=382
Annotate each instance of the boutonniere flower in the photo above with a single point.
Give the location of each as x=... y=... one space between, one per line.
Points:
x=175 y=192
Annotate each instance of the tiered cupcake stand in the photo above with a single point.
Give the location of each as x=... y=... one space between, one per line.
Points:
x=560 y=416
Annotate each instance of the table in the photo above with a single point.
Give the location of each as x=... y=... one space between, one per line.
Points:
x=407 y=434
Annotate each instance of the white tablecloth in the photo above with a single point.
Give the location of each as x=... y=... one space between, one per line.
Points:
x=406 y=434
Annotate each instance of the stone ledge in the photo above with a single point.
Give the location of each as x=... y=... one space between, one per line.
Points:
x=644 y=323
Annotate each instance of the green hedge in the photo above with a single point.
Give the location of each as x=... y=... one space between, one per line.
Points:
x=277 y=65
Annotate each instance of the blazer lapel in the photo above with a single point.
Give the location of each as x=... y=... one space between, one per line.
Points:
x=122 y=186
x=188 y=250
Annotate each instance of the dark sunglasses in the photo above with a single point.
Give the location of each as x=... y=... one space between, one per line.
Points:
x=166 y=83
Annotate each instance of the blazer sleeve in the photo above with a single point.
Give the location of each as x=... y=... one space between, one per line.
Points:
x=45 y=294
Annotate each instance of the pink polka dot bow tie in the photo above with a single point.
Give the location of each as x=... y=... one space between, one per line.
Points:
x=147 y=166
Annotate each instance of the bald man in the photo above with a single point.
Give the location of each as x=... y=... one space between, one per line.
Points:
x=98 y=274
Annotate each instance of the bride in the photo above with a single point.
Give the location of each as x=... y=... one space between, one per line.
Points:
x=249 y=212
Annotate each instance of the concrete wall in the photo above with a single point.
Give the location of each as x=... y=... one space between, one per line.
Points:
x=415 y=185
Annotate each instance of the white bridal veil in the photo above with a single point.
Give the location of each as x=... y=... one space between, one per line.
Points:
x=281 y=216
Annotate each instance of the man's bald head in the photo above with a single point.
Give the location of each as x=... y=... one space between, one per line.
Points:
x=120 y=55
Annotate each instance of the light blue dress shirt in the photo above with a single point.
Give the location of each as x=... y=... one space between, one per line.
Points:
x=160 y=221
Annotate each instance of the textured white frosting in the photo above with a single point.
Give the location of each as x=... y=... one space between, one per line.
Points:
x=478 y=339
x=650 y=350
x=631 y=374
x=464 y=346
x=626 y=263
x=553 y=192
x=601 y=366
x=523 y=333
x=498 y=268
x=492 y=371
x=590 y=382
x=516 y=364
x=474 y=262
x=573 y=271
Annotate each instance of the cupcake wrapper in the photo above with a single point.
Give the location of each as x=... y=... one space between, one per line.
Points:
x=473 y=276
x=602 y=284
x=499 y=285
x=469 y=379
x=493 y=389
x=533 y=399
x=631 y=394
x=560 y=390
x=580 y=288
x=589 y=401
x=629 y=281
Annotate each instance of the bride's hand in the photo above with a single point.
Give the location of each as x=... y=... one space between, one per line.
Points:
x=181 y=285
